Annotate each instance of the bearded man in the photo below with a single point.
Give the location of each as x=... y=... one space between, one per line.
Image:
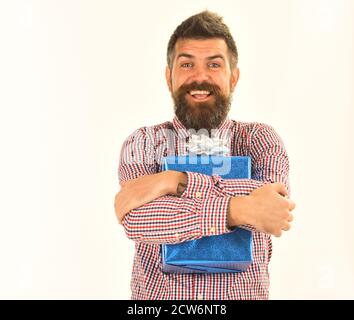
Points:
x=162 y=207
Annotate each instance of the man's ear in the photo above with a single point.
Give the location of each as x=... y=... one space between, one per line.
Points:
x=168 y=78
x=234 y=78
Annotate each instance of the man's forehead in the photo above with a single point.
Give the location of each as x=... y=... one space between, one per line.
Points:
x=201 y=46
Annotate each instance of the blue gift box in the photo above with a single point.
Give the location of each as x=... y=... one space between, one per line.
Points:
x=230 y=252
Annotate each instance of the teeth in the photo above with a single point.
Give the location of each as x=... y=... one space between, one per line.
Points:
x=194 y=92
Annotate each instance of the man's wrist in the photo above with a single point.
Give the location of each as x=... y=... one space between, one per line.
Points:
x=181 y=183
x=235 y=215
x=176 y=182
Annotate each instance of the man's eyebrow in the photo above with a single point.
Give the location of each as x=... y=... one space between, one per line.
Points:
x=185 y=55
x=216 y=56
x=190 y=56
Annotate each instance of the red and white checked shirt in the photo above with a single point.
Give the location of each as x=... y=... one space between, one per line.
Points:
x=200 y=211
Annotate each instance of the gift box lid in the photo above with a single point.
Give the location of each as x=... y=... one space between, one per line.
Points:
x=230 y=167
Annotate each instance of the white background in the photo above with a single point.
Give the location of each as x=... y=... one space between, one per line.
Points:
x=77 y=77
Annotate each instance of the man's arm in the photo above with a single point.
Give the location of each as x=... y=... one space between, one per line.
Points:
x=266 y=210
x=158 y=218
x=204 y=207
x=137 y=192
x=163 y=217
x=261 y=203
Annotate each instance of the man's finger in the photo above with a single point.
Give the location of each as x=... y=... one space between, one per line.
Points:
x=122 y=217
x=280 y=188
x=119 y=214
x=120 y=220
x=290 y=218
x=291 y=204
x=286 y=226
x=277 y=234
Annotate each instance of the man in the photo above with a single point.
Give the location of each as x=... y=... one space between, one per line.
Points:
x=158 y=207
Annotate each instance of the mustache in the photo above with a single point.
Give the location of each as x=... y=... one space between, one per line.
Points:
x=212 y=88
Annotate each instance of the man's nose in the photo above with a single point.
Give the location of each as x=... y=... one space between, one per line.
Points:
x=200 y=75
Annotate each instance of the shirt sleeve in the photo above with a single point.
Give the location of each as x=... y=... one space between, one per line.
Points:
x=202 y=208
x=168 y=219
x=270 y=164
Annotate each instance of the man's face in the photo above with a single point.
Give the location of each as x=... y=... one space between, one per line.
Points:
x=201 y=82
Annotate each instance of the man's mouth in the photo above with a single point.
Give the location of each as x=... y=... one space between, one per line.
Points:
x=200 y=95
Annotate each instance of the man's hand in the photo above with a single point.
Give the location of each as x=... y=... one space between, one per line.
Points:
x=137 y=192
x=266 y=208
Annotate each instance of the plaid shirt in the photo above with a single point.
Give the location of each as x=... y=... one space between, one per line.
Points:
x=200 y=211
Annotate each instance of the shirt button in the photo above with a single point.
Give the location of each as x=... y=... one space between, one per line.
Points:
x=177 y=235
x=200 y=297
x=198 y=194
x=212 y=230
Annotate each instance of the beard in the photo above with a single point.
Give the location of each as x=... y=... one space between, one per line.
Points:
x=206 y=115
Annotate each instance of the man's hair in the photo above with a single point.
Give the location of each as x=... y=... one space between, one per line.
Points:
x=204 y=25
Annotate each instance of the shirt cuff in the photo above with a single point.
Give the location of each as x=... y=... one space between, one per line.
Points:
x=198 y=186
x=213 y=214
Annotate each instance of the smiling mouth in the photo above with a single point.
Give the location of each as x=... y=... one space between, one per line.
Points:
x=200 y=95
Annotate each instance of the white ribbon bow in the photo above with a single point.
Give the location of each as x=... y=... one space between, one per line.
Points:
x=203 y=145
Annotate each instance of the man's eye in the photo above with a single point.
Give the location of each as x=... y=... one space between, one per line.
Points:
x=186 y=65
x=214 y=65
